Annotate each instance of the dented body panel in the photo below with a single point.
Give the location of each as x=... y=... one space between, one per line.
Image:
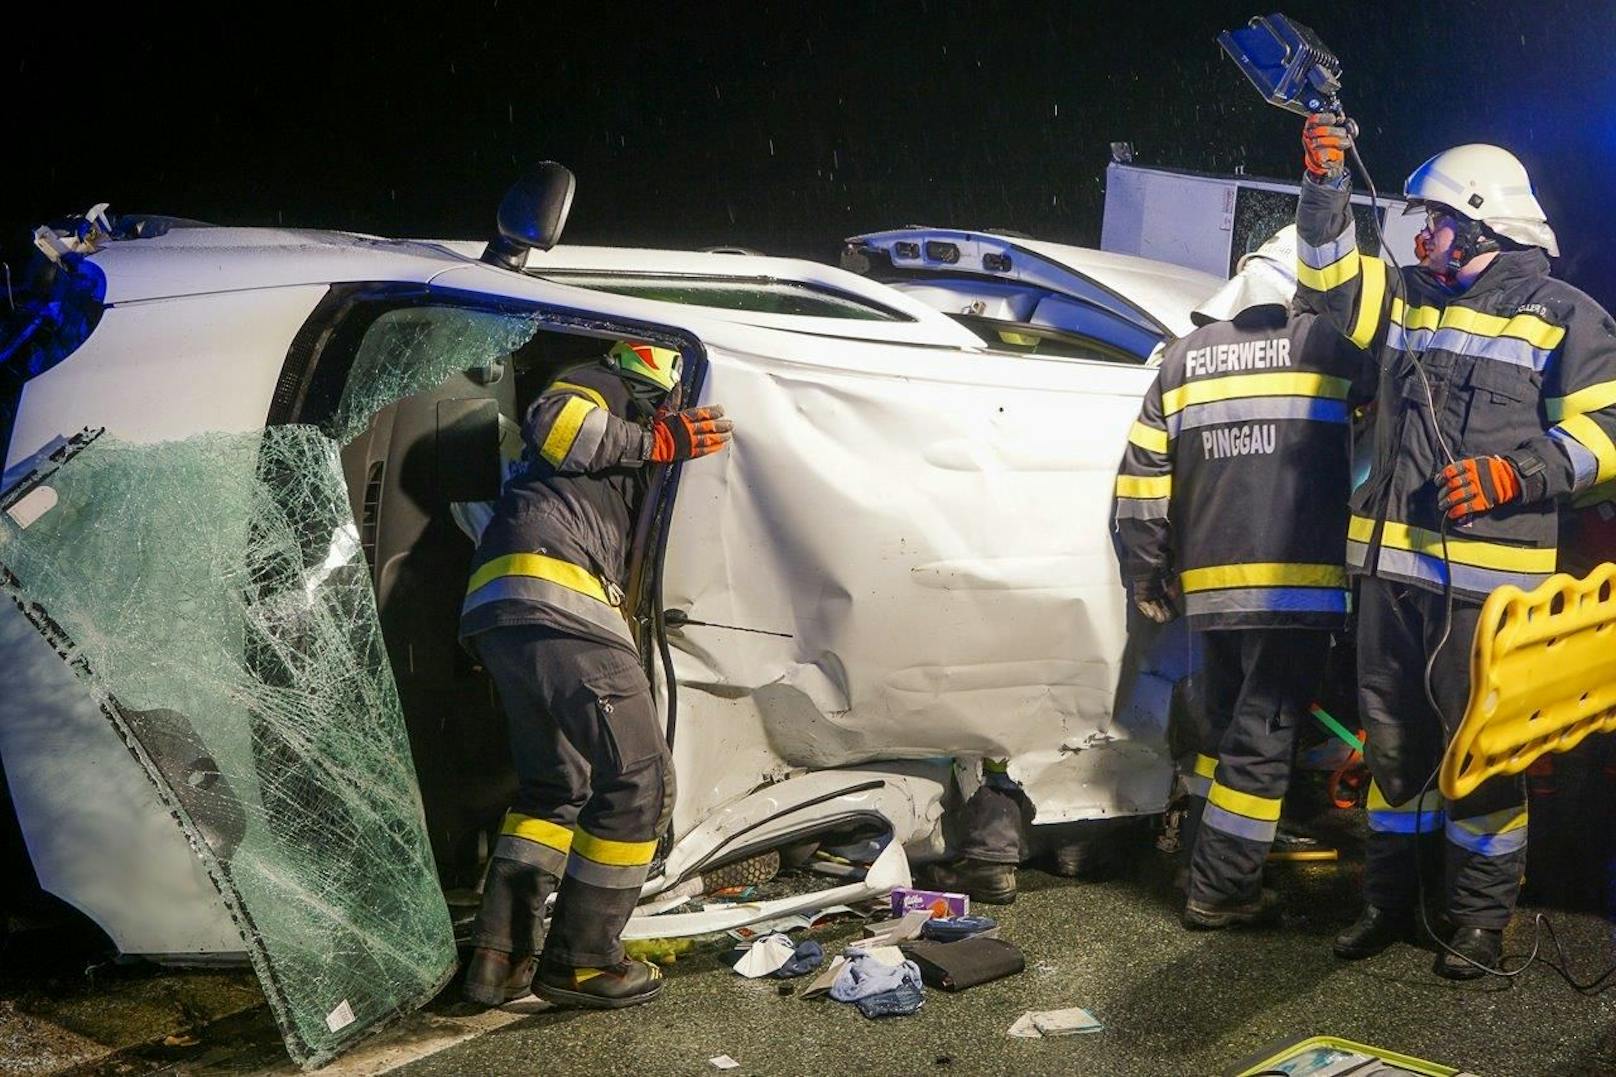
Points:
x=922 y=521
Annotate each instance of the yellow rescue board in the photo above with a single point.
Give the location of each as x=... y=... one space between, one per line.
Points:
x=1542 y=677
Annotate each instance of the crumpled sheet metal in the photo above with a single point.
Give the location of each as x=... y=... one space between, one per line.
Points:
x=213 y=598
x=930 y=530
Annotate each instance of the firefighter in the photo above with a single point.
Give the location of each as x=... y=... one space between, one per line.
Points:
x=543 y=613
x=1231 y=504
x=1497 y=397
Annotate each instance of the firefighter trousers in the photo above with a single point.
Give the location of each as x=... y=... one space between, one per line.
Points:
x=1257 y=682
x=1399 y=628
x=595 y=793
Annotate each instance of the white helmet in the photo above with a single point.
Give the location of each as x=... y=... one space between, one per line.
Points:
x=1266 y=276
x=1487 y=184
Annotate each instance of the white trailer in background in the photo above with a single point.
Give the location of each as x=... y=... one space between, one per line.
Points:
x=1203 y=221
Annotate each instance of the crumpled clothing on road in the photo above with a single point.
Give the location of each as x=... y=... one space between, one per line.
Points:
x=878 y=989
x=804 y=959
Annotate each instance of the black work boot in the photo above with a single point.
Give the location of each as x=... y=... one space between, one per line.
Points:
x=627 y=983
x=1373 y=931
x=1480 y=948
x=1211 y=917
x=494 y=977
x=980 y=880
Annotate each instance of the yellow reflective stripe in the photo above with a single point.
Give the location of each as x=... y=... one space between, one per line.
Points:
x=1527 y=327
x=1234 y=386
x=1499 y=822
x=622 y=854
x=565 y=431
x=1474 y=552
x=1429 y=804
x=1146 y=486
x=1148 y=437
x=1252 y=807
x=996 y=766
x=542 y=567
x=584 y=390
x=1415 y=317
x=1593 y=398
x=1263 y=574
x=1589 y=435
x=541 y=831
x=1370 y=297
x=1205 y=766
x=1333 y=275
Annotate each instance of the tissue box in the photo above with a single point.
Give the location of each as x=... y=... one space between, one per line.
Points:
x=937 y=902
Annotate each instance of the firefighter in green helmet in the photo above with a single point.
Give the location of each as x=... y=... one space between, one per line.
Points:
x=543 y=612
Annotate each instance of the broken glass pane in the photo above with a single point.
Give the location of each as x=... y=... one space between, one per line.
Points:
x=414 y=349
x=213 y=596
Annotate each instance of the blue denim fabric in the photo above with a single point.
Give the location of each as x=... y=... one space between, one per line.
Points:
x=898 y=1002
x=877 y=989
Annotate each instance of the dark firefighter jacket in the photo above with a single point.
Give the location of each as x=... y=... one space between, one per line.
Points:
x=1237 y=472
x=1520 y=365
x=555 y=551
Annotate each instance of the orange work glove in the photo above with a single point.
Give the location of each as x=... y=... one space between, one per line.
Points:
x=1325 y=141
x=1477 y=484
x=685 y=435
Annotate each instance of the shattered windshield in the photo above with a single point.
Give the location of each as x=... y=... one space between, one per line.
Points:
x=413 y=349
x=213 y=596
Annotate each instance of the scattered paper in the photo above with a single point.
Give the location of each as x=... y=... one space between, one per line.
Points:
x=822 y=983
x=765 y=955
x=723 y=1062
x=886 y=955
x=894 y=931
x=791 y=923
x=1039 y=1024
x=1024 y=1029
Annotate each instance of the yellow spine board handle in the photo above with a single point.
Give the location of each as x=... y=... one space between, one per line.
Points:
x=1542 y=677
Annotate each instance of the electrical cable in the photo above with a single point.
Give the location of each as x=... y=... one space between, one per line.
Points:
x=1540 y=921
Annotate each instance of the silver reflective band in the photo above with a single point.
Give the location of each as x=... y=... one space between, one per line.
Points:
x=1584 y=464
x=1136 y=508
x=547 y=593
x=1239 y=825
x=1407 y=565
x=607 y=876
x=531 y=853
x=1257 y=407
x=1329 y=253
x=1510 y=841
x=1512 y=350
x=1267 y=600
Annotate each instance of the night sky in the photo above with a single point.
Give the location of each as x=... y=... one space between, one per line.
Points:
x=783 y=127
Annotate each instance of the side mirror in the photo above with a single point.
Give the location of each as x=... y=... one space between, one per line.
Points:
x=532 y=214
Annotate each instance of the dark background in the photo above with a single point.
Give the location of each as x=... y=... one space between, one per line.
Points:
x=782 y=126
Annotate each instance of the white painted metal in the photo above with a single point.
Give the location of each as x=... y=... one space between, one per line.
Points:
x=169 y=368
x=925 y=519
x=1165 y=292
x=96 y=832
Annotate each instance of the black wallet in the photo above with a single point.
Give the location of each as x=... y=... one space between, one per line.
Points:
x=954 y=966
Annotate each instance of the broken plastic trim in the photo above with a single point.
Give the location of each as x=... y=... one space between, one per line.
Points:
x=890 y=870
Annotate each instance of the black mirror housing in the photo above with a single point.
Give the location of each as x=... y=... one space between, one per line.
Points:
x=532 y=214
